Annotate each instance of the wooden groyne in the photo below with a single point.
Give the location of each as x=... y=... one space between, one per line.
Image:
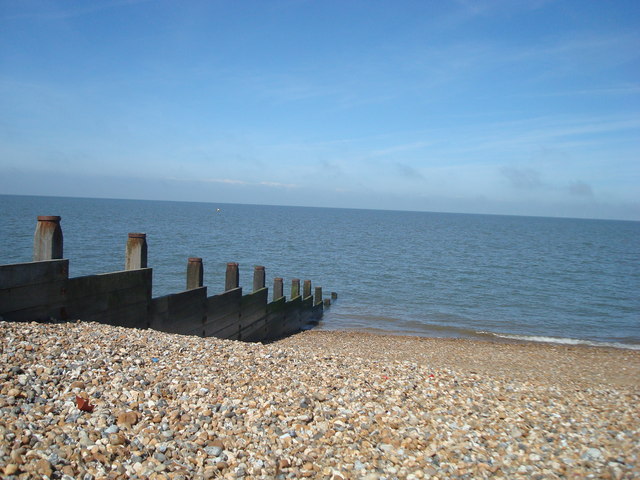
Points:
x=42 y=291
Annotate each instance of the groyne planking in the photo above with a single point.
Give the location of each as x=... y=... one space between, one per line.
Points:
x=42 y=291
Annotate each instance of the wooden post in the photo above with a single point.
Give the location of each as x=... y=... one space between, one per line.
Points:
x=278 y=290
x=334 y=295
x=136 y=251
x=195 y=273
x=318 y=296
x=47 y=240
x=306 y=289
x=327 y=302
x=258 y=278
x=295 y=288
x=232 y=277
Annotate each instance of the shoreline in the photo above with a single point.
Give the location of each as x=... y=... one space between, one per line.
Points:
x=505 y=357
x=319 y=404
x=432 y=331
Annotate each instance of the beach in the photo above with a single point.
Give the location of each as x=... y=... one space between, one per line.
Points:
x=89 y=401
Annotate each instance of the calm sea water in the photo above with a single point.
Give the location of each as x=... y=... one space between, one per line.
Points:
x=430 y=274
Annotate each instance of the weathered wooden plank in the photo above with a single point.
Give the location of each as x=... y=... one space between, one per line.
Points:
x=310 y=316
x=130 y=316
x=98 y=284
x=255 y=332
x=33 y=273
x=229 y=331
x=291 y=322
x=226 y=300
x=259 y=297
x=277 y=305
x=78 y=305
x=274 y=319
x=182 y=312
x=307 y=303
x=37 y=313
x=29 y=296
x=253 y=307
x=223 y=312
x=106 y=296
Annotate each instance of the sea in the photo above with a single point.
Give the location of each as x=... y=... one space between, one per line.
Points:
x=496 y=277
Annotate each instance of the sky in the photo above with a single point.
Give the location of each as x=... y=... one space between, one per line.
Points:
x=498 y=106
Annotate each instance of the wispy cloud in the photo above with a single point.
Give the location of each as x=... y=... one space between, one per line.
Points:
x=278 y=184
x=229 y=181
x=399 y=149
x=224 y=180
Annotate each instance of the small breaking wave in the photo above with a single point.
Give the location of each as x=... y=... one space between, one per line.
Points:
x=560 y=340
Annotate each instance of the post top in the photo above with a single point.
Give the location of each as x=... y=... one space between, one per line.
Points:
x=137 y=235
x=195 y=260
x=259 y=267
x=232 y=264
x=49 y=218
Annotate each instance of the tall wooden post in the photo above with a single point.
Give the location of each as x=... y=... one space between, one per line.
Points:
x=136 y=251
x=278 y=290
x=232 y=277
x=306 y=289
x=258 y=278
x=295 y=288
x=47 y=240
x=318 y=296
x=195 y=273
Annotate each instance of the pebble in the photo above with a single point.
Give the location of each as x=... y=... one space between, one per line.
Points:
x=111 y=429
x=210 y=408
x=213 y=451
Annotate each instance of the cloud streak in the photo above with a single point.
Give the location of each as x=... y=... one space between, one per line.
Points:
x=243 y=183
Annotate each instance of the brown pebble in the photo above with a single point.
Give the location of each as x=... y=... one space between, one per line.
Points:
x=10 y=469
x=217 y=443
x=68 y=470
x=43 y=467
x=117 y=439
x=127 y=418
x=14 y=392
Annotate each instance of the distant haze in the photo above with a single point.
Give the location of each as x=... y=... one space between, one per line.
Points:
x=496 y=106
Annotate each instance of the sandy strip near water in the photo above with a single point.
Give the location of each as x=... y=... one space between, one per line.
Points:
x=524 y=361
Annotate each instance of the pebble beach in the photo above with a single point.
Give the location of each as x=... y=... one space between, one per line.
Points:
x=89 y=401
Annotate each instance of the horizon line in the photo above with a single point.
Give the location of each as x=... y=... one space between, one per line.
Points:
x=324 y=207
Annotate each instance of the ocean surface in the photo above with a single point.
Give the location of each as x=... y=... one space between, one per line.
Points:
x=430 y=274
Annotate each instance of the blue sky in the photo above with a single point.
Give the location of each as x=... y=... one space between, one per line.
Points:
x=499 y=106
